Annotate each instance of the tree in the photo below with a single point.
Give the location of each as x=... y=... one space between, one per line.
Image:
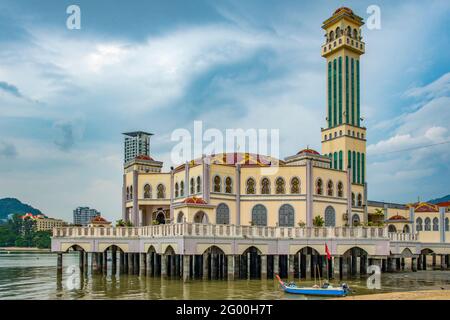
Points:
x=42 y=239
x=318 y=221
x=7 y=236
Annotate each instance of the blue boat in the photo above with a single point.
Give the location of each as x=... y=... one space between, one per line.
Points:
x=326 y=290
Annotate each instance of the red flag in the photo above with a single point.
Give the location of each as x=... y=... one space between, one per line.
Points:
x=328 y=252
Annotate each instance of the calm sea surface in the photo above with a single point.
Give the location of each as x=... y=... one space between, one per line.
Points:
x=34 y=276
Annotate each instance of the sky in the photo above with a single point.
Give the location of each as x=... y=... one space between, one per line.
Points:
x=67 y=95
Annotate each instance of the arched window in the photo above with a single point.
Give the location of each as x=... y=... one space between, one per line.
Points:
x=406 y=229
x=349 y=31
x=435 y=224
x=147 y=191
x=131 y=192
x=427 y=224
x=392 y=228
x=259 y=215
x=330 y=217
x=330 y=188
x=222 y=214
x=338 y=32
x=199 y=184
x=340 y=189
x=265 y=186
x=419 y=226
x=355 y=33
x=353 y=199
x=128 y=193
x=355 y=220
x=447 y=227
x=182 y=189
x=359 y=200
x=180 y=217
x=331 y=35
x=250 y=186
x=217 y=184
x=319 y=186
x=295 y=185
x=228 y=185
x=281 y=189
x=286 y=216
x=192 y=186
x=177 y=190
x=160 y=191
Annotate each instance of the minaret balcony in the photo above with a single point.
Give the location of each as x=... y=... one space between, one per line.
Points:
x=343 y=42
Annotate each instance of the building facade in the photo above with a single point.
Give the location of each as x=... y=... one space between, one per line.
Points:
x=47 y=224
x=247 y=215
x=82 y=216
x=136 y=143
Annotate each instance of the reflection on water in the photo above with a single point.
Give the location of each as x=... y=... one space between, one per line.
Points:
x=34 y=276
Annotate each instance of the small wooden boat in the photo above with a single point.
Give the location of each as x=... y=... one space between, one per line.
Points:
x=326 y=290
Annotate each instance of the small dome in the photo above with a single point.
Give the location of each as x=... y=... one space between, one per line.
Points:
x=194 y=200
x=344 y=9
x=309 y=151
x=144 y=157
x=425 y=207
x=99 y=219
x=397 y=217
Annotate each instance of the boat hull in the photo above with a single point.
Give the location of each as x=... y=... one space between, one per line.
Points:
x=316 y=292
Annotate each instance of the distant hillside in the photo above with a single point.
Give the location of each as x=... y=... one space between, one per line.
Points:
x=443 y=199
x=13 y=205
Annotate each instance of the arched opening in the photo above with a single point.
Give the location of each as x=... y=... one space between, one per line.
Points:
x=340 y=189
x=199 y=184
x=319 y=186
x=307 y=263
x=154 y=260
x=217 y=184
x=161 y=191
x=427 y=224
x=392 y=228
x=330 y=217
x=172 y=262
x=435 y=224
x=406 y=253
x=330 y=188
x=286 y=216
x=259 y=215
x=113 y=254
x=222 y=214
x=180 y=217
x=356 y=221
x=419 y=226
x=354 y=261
x=216 y=263
x=201 y=217
x=161 y=218
x=147 y=191
x=265 y=186
x=406 y=229
x=228 y=185
x=423 y=261
x=250 y=267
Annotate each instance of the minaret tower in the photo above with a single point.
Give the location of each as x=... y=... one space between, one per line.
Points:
x=344 y=138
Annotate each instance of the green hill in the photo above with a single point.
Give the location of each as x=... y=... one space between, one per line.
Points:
x=442 y=199
x=12 y=205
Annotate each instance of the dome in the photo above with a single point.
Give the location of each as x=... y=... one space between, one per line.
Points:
x=397 y=217
x=344 y=9
x=194 y=200
x=144 y=157
x=308 y=151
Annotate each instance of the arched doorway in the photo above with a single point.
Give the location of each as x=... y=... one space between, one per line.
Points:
x=356 y=220
x=330 y=217
x=201 y=217
x=161 y=217
x=406 y=229
x=392 y=228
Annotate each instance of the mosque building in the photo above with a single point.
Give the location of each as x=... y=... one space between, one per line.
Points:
x=225 y=216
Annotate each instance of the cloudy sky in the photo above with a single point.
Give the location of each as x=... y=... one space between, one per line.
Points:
x=66 y=95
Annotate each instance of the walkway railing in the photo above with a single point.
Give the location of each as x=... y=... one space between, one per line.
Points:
x=225 y=231
x=399 y=236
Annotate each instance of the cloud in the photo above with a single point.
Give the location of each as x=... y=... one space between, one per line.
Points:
x=438 y=88
x=7 y=150
x=11 y=89
x=67 y=133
